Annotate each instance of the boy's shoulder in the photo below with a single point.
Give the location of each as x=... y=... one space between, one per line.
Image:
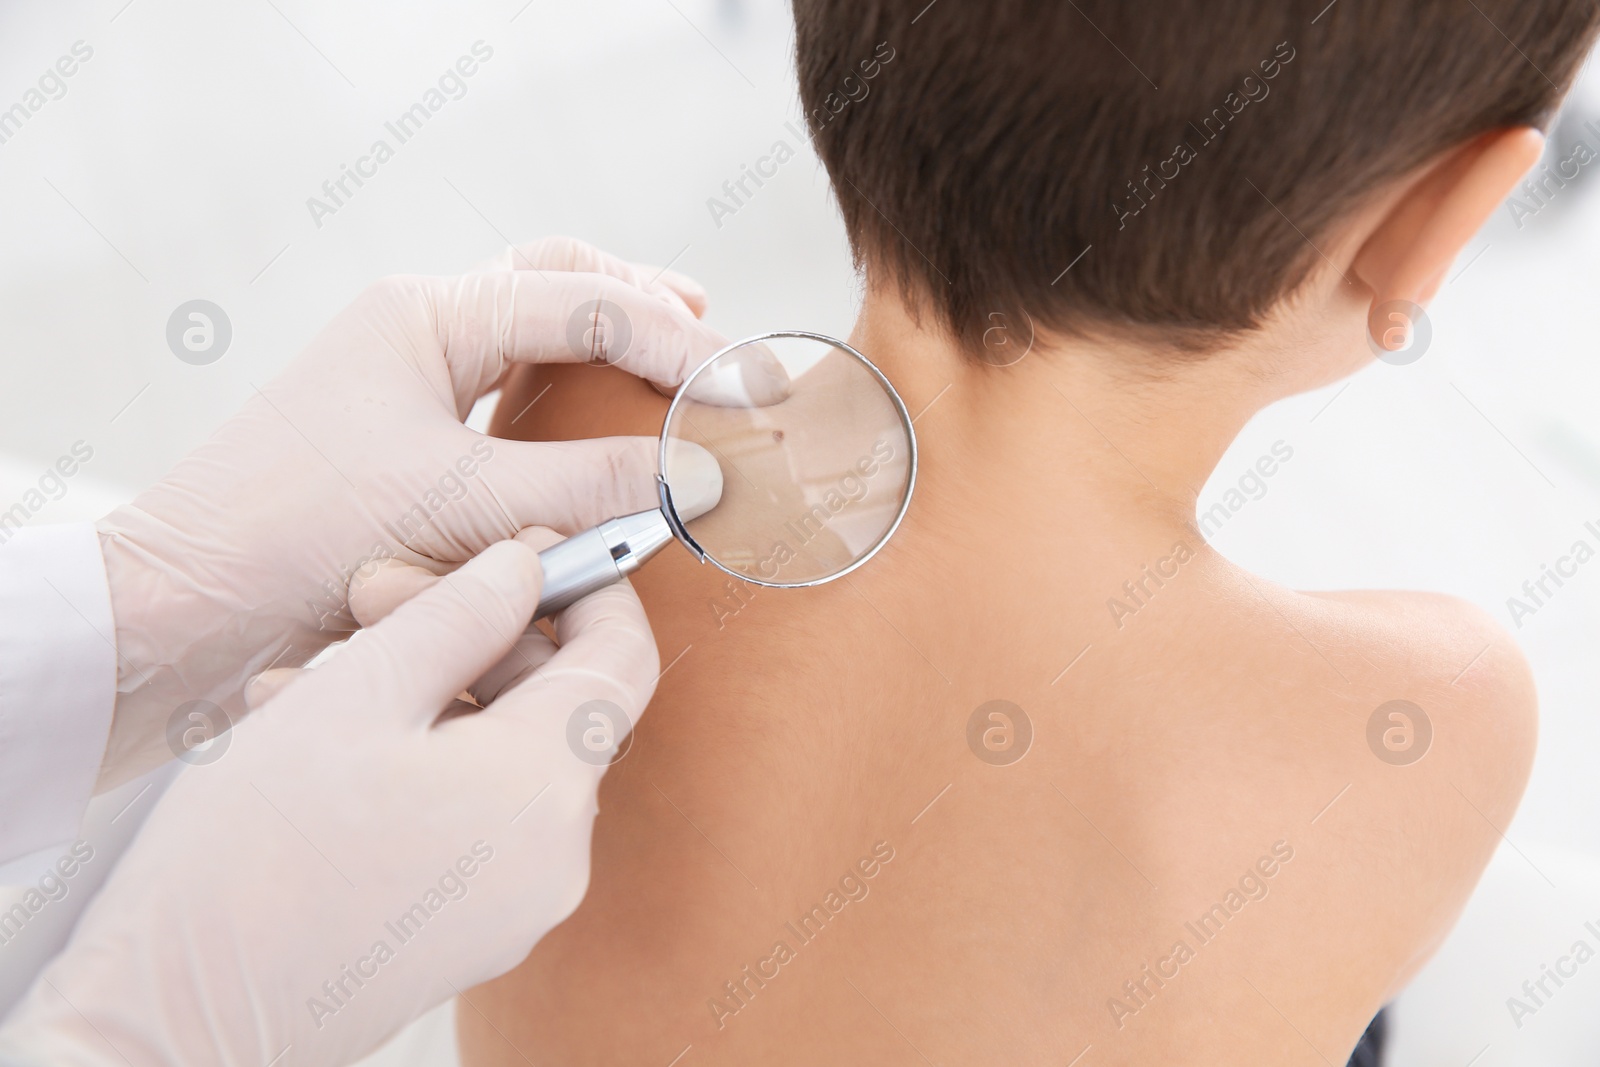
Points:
x=1447 y=682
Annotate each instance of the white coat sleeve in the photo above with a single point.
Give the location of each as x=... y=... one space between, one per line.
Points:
x=58 y=687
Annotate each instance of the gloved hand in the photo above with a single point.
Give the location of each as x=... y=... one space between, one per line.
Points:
x=239 y=559
x=349 y=861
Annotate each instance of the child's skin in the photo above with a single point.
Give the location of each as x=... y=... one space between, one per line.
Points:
x=1218 y=733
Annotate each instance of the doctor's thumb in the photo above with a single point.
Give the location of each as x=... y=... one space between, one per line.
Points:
x=410 y=666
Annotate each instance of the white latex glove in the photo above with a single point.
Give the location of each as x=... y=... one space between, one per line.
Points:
x=350 y=862
x=239 y=559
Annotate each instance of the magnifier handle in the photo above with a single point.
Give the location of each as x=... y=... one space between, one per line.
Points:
x=597 y=557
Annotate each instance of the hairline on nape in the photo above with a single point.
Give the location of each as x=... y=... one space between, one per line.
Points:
x=1008 y=160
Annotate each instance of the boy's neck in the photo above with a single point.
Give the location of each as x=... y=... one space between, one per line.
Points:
x=1075 y=428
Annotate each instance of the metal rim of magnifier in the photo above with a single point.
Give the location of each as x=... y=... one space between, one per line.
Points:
x=665 y=491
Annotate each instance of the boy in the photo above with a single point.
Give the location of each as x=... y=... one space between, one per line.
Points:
x=1243 y=815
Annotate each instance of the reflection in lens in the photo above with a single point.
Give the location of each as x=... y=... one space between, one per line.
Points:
x=811 y=484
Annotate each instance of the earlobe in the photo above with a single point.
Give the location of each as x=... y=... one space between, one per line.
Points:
x=1408 y=254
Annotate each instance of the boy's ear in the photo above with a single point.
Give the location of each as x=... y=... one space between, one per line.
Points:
x=1407 y=255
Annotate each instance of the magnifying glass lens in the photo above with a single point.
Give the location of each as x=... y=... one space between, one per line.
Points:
x=812 y=484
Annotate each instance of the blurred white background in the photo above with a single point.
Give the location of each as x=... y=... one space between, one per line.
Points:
x=178 y=163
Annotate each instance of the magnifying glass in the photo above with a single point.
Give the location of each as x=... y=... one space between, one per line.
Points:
x=812 y=485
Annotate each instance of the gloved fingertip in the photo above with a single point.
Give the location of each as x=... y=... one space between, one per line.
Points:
x=695 y=478
x=268 y=684
x=689 y=291
x=537 y=538
x=372 y=568
x=517 y=564
x=751 y=376
x=381 y=586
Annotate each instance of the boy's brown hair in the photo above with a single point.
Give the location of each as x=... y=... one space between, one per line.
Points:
x=1161 y=166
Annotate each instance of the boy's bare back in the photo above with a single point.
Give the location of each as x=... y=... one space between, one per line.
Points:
x=823 y=847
